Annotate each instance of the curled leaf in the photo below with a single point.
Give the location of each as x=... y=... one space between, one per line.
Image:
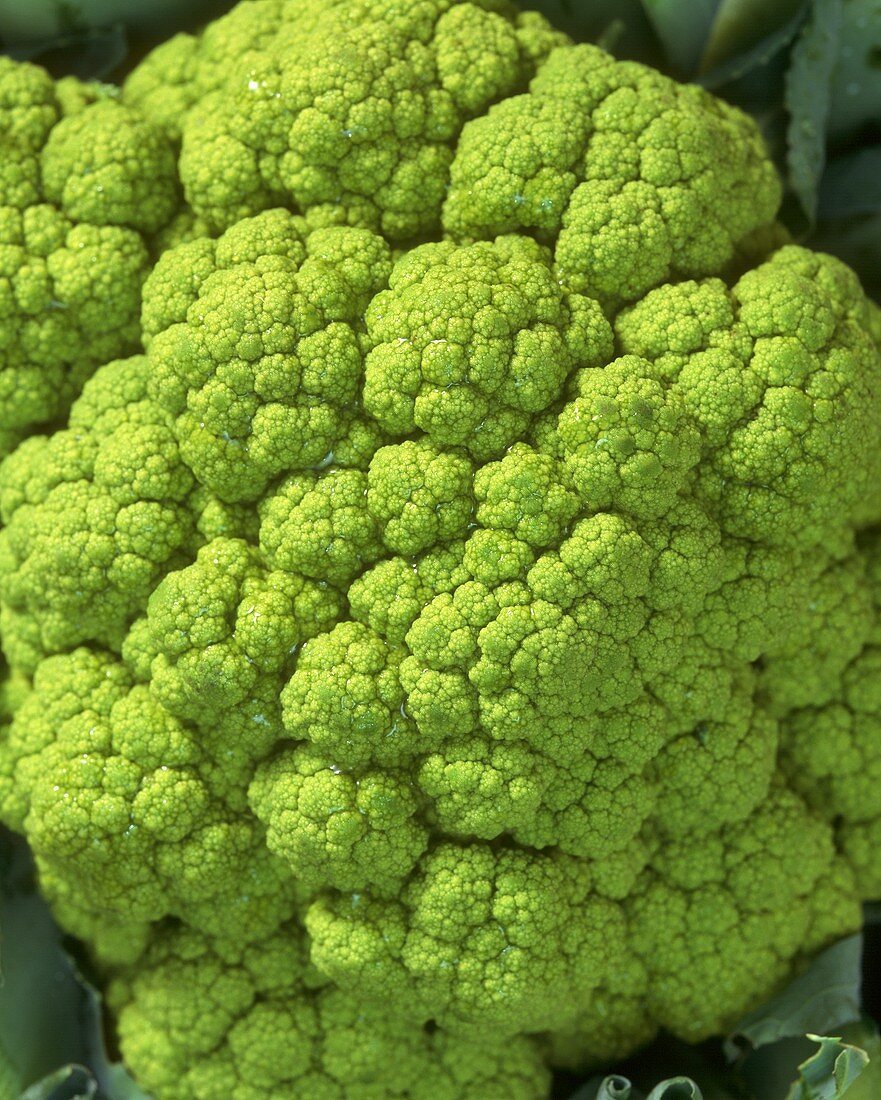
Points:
x=614 y=1087
x=828 y=1074
x=676 y=1088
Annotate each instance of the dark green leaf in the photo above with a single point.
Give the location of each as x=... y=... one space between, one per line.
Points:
x=768 y=1073
x=112 y=1080
x=822 y=999
x=807 y=100
x=683 y=27
x=9 y=1077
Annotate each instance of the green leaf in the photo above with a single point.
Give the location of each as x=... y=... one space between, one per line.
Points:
x=75 y=1082
x=828 y=1074
x=683 y=27
x=807 y=97
x=822 y=999
x=777 y=1071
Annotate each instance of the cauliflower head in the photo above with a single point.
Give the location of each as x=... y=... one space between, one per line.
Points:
x=462 y=610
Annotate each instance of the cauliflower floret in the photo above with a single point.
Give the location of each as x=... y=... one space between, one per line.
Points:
x=79 y=197
x=200 y=1017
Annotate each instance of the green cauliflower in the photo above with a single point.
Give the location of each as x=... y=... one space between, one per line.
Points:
x=85 y=182
x=461 y=613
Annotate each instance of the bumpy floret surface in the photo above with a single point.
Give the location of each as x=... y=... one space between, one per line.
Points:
x=85 y=183
x=462 y=616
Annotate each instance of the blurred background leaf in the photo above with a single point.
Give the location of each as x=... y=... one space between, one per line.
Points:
x=26 y=21
x=89 y=54
x=807 y=100
x=95 y=39
x=748 y=29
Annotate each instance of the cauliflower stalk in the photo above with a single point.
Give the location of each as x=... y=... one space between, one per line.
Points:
x=461 y=611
